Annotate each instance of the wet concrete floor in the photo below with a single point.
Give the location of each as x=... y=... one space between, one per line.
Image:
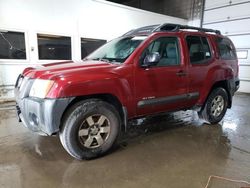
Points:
x=170 y=150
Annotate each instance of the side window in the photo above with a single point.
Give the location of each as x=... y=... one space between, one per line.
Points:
x=12 y=45
x=206 y=48
x=54 y=47
x=199 y=50
x=226 y=49
x=89 y=45
x=154 y=46
x=168 y=49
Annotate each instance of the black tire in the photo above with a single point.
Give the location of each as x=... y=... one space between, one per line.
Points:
x=90 y=142
x=208 y=113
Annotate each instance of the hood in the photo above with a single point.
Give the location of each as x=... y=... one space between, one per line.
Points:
x=67 y=69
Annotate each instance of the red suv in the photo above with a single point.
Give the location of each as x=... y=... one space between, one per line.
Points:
x=147 y=71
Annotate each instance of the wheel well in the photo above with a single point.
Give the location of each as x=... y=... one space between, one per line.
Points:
x=224 y=84
x=109 y=98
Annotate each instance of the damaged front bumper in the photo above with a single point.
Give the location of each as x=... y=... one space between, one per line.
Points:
x=42 y=116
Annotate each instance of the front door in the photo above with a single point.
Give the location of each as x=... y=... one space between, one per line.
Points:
x=162 y=87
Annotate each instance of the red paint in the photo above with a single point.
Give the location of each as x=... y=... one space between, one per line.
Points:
x=130 y=83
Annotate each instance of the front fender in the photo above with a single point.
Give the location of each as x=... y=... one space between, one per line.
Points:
x=115 y=86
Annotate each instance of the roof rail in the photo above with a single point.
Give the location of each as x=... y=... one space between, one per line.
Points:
x=177 y=27
x=167 y=27
x=142 y=30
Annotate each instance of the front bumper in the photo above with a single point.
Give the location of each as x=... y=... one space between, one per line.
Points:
x=39 y=115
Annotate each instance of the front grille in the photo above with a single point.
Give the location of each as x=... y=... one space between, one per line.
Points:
x=23 y=87
x=19 y=80
x=18 y=111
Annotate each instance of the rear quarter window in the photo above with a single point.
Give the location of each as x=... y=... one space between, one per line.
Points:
x=226 y=49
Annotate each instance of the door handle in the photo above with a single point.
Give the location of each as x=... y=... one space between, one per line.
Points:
x=181 y=73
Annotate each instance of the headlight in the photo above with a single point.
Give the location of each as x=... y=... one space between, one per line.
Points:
x=40 y=88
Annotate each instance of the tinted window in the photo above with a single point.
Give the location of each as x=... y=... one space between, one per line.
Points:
x=226 y=49
x=12 y=45
x=198 y=48
x=90 y=45
x=206 y=48
x=54 y=47
x=167 y=47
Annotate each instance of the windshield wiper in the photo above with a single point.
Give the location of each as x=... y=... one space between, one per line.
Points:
x=102 y=59
x=108 y=60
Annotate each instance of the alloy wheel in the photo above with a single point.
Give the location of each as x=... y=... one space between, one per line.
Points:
x=94 y=131
x=217 y=106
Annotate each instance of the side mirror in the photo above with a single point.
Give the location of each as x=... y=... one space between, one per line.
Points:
x=151 y=59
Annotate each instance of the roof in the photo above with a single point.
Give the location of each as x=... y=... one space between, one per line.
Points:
x=167 y=27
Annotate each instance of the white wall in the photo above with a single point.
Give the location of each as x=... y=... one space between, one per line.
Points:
x=232 y=17
x=76 y=18
x=195 y=22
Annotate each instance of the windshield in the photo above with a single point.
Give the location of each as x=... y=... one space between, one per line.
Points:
x=117 y=50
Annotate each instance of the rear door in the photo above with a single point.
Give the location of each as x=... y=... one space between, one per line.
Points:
x=199 y=62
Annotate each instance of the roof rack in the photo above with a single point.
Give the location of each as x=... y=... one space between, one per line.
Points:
x=168 y=27
x=177 y=27
x=142 y=30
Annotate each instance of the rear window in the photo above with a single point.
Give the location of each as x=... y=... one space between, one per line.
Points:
x=226 y=49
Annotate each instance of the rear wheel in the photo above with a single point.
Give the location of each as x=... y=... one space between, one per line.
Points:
x=215 y=107
x=90 y=129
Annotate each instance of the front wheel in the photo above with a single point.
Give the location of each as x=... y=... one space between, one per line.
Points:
x=215 y=107
x=90 y=129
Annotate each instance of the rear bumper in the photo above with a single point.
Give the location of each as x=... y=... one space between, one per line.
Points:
x=39 y=115
x=233 y=85
x=237 y=84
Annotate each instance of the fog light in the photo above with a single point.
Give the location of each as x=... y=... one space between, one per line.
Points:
x=33 y=119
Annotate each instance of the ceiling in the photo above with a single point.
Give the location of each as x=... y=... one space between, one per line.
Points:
x=188 y=9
